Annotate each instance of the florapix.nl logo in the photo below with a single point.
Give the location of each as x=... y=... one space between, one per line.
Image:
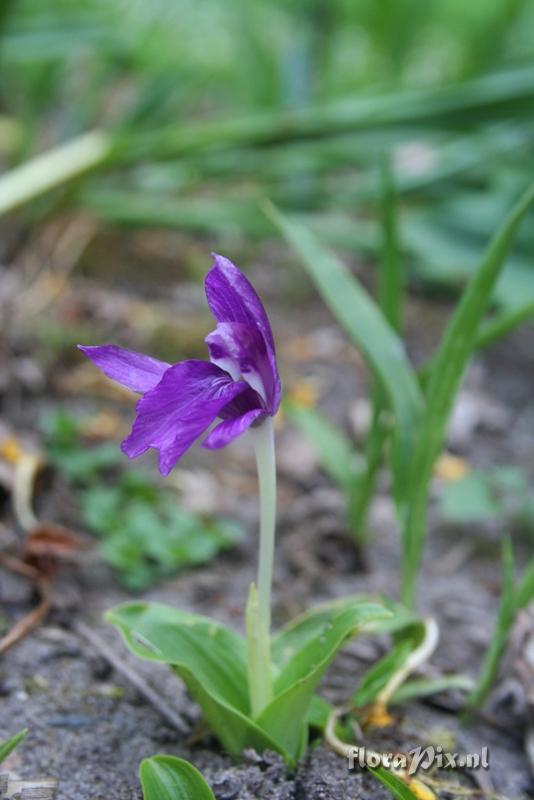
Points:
x=420 y=758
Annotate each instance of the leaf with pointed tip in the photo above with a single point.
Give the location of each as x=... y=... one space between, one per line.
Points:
x=9 y=745
x=398 y=788
x=305 y=652
x=210 y=659
x=365 y=323
x=170 y=778
x=426 y=687
x=381 y=672
x=448 y=367
x=525 y=590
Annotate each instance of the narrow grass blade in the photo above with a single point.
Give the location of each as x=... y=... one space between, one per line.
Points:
x=334 y=450
x=494 y=96
x=390 y=275
x=9 y=745
x=505 y=618
x=390 y=291
x=426 y=687
x=525 y=591
x=504 y=324
x=357 y=312
x=444 y=381
x=52 y=169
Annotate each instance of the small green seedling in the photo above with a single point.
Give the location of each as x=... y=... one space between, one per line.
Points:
x=171 y=778
x=145 y=534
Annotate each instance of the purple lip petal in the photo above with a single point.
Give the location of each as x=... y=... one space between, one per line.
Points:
x=232 y=298
x=136 y=371
x=242 y=351
x=225 y=432
x=179 y=409
x=246 y=401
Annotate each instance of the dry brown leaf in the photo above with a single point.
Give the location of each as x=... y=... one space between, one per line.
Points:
x=50 y=541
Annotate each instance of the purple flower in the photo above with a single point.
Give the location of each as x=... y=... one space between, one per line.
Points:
x=240 y=383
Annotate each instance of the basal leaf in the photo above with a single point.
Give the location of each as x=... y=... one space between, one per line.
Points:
x=170 y=778
x=308 y=626
x=302 y=630
x=209 y=658
x=285 y=717
x=214 y=653
x=9 y=745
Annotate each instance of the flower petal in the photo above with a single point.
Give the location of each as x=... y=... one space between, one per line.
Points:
x=230 y=429
x=133 y=370
x=232 y=298
x=241 y=350
x=179 y=409
x=249 y=400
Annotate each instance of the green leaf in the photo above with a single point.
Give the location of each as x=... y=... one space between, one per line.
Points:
x=333 y=448
x=390 y=300
x=425 y=687
x=505 y=619
x=510 y=480
x=378 y=676
x=469 y=499
x=83 y=464
x=356 y=311
x=101 y=506
x=122 y=515
x=319 y=713
x=305 y=659
x=216 y=654
x=446 y=374
x=307 y=627
x=7 y=746
x=209 y=658
x=398 y=788
x=503 y=324
x=525 y=591
x=391 y=273
x=170 y=778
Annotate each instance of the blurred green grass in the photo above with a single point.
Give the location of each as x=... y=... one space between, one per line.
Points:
x=211 y=107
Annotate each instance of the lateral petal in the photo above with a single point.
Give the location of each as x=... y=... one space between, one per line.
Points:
x=228 y=430
x=136 y=371
x=179 y=409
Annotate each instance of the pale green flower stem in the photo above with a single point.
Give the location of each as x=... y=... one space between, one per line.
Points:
x=258 y=613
